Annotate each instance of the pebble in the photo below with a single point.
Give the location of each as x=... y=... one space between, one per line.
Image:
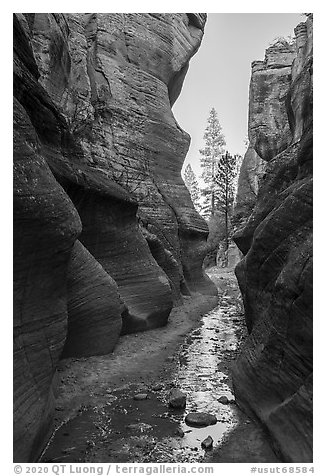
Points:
x=177 y=399
x=200 y=419
x=223 y=399
x=141 y=396
x=207 y=443
x=158 y=387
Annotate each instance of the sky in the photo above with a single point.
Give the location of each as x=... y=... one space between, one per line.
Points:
x=219 y=75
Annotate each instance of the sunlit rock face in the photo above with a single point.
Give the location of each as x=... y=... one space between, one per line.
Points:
x=273 y=375
x=269 y=130
x=106 y=235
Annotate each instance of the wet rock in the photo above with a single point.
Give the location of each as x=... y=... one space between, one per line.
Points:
x=224 y=400
x=207 y=443
x=141 y=396
x=200 y=419
x=177 y=399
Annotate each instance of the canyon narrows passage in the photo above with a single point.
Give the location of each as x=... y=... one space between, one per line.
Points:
x=107 y=244
x=99 y=420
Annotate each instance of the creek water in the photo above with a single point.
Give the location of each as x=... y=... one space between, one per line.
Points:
x=127 y=430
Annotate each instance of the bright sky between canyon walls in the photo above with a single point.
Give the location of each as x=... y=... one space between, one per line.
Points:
x=219 y=75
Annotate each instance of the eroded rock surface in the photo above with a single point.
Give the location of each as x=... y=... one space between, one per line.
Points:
x=94 y=307
x=273 y=376
x=251 y=173
x=122 y=74
x=269 y=131
x=46 y=224
x=98 y=156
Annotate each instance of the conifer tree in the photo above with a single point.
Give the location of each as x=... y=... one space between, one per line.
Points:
x=210 y=155
x=224 y=187
x=192 y=185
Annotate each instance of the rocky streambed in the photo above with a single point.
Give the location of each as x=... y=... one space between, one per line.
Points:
x=129 y=419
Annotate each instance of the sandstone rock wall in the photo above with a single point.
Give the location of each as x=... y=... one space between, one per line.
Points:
x=123 y=72
x=251 y=173
x=269 y=130
x=106 y=237
x=273 y=375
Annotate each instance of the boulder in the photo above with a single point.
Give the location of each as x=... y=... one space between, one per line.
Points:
x=177 y=399
x=223 y=399
x=200 y=419
x=207 y=443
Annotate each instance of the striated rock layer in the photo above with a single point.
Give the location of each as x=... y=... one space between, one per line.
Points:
x=273 y=375
x=106 y=237
x=94 y=307
x=251 y=173
x=120 y=75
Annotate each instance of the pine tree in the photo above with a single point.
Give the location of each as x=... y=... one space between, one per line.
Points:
x=210 y=155
x=192 y=185
x=225 y=187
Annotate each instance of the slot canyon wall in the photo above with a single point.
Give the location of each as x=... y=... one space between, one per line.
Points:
x=273 y=375
x=106 y=239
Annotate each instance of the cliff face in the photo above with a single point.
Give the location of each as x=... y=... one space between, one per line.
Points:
x=273 y=375
x=98 y=156
x=268 y=128
x=251 y=173
x=123 y=72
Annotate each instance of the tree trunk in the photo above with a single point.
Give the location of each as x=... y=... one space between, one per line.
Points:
x=226 y=224
x=213 y=194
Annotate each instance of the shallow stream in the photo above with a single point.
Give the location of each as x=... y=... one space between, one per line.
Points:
x=127 y=430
